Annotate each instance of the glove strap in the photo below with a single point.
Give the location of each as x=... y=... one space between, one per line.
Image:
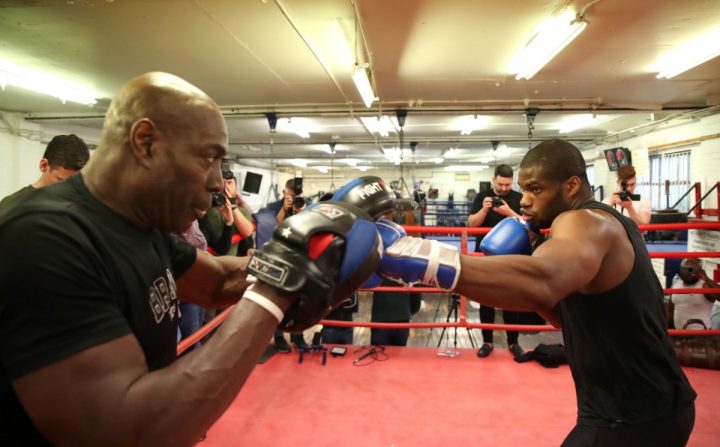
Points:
x=433 y=265
x=264 y=303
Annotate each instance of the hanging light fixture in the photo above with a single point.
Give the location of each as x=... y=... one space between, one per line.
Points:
x=545 y=42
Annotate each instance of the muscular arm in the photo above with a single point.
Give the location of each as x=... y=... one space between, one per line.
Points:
x=477 y=219
x=106 y=396
x=569 y=261
x=214 y=281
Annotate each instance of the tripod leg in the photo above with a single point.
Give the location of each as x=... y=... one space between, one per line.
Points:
x=447 y=318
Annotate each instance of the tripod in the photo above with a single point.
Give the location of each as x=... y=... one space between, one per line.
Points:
x=453 y=306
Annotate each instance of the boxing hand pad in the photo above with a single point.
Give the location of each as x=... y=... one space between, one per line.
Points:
x=509 y=237
x=321 y=256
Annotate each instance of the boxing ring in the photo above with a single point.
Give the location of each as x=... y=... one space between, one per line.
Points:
x=411 y=396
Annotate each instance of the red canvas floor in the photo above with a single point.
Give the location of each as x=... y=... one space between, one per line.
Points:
x=416 y=398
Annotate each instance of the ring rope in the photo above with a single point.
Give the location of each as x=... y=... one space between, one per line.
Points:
x=462 y=314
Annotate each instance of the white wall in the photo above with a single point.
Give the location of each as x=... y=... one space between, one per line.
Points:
x=705 y=157
x=21 y=150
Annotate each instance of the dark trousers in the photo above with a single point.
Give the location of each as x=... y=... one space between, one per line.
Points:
x=670 y=431
x=487 y=315
x=390 y=337
x=337 y=335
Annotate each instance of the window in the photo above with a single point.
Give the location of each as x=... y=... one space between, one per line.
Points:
x=675 y=168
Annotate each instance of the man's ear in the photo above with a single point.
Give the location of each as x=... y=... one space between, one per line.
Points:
x=143 y=135
x=44 y=165
x=573 y=185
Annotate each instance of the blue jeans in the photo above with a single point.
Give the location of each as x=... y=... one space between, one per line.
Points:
x=192 y=317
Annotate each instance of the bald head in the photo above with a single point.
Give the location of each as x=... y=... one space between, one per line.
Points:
x=170 y=102
x=160 y=151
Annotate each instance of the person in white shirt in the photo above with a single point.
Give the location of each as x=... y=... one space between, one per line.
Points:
x=692 y=311
x=638 y=210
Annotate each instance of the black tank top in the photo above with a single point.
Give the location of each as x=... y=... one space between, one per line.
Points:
x=620 y=355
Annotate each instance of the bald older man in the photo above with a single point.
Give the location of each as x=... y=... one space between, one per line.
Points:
x=88 y=307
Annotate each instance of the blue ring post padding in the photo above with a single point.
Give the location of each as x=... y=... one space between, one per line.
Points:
x=357 y=247
x=342 y=192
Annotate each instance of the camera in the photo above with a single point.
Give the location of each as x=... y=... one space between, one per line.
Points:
x=218 y=199
x=625 y=195
x=496 y=202
x=298 y=202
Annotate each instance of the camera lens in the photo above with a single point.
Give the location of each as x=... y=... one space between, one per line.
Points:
x=298 y=202
x=218 y=199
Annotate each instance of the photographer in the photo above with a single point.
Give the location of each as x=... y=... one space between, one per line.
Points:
x=291 y=203
x=227 y=226
x=626 y=201
x=488 y=209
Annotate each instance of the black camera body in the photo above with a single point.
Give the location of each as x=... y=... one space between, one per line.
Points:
x=298 y=202
x=496 y=202
x=625 y=195
x=218 y=199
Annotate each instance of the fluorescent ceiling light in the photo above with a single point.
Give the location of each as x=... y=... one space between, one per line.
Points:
x=396 y=156
x=689 y=55
x=350 y=161
x=322 y=169
x=299 y=162
x=457 y=168
x=47 y=84
x=438 y=160
x=299 y=126
x=575 y=122
x=362 y=168
x=381 y=125
x=466 y=124
x=361 y=78
x=545 y=42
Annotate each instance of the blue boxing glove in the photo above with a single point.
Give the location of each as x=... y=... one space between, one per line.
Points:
x=389 y=233
x=509 y=237
x=409 y=260
x=369 y=193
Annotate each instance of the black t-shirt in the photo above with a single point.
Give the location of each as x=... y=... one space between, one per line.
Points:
x=620 y=355
x=17 y=195
x=80 y=275
x=513 y=200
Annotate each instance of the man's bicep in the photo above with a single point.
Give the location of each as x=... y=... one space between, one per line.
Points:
x=82 y=395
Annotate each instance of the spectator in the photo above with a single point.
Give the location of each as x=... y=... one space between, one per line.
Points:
x=487 y=210
x=624 y=200
x=392 y=307
x=192 y=316
x=283 y=208
x=691 y=311
x=289 y=205
x=340 y=335
x=64 y=156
